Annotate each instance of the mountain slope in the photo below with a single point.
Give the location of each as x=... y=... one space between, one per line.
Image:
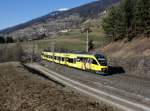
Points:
x=59 y=20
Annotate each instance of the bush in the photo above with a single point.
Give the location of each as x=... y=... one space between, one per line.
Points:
x=13 y=52
x=2 y=40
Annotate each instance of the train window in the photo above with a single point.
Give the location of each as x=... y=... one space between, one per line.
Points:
x=70 y=60
x=94 y=62
x=82 y=59
x=53 y=57
x=59 y=58
x=88 y=60
x=74 y=60
x=66 y=59
x=85 y=60
x=78 y=59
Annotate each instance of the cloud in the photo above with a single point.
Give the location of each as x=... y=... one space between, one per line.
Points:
x=62 y=9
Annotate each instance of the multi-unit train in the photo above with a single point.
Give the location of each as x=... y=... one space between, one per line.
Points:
x=89 y=62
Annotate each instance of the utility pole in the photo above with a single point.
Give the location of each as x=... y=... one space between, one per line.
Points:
x=32 y=53
x=53 y=49
x=86 y=29
x=87 y=40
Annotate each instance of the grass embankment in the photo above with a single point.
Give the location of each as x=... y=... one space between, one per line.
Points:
x=133 y=57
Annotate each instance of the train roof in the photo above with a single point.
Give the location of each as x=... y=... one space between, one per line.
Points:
x=77 y=52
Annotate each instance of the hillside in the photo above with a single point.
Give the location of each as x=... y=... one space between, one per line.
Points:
x=59 y=20
x=128 y=59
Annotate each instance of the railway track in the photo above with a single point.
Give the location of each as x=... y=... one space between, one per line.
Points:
x=99 y=88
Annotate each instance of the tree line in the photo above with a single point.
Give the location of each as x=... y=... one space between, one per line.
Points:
x=129 y=19
x=8 y=39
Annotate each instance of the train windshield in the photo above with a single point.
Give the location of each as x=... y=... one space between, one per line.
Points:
x=101 y=59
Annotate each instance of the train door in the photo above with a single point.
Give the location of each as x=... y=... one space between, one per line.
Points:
x=67 y=60
x=75 y=62
x=88 y=63
x=79 y=63
x=70 y=62
x=83 y=63
x=94 y=65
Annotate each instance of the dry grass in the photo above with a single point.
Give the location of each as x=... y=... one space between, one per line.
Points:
x=138 y=47
x=10 y=52
x=133 y=56
x=24 y=91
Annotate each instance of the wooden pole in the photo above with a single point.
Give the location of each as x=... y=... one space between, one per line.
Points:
x=87 y=41
x=53 y=49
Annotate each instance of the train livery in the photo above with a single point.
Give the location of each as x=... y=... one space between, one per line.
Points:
x=89 y=62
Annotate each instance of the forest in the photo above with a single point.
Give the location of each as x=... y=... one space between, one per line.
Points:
x=129 y=19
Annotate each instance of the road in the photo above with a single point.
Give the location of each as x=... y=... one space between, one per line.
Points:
x=122 y=90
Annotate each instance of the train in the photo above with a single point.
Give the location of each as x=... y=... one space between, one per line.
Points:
x=94 y=62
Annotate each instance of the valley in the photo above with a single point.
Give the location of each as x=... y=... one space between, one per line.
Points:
x=114 y=29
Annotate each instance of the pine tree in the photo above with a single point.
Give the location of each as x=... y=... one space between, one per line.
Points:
x=142 y=17
x=119 y=24
x=114 y=24
x=128 y=8
x=109 y=23
x=127 y=20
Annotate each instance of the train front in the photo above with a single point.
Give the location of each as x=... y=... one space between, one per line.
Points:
x=103 y=68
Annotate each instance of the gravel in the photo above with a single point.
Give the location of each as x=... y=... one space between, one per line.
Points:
x=137 y=85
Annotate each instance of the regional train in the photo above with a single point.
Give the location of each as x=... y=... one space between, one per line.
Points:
x=85 y=61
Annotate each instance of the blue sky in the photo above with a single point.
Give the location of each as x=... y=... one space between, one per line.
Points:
x=13 y=12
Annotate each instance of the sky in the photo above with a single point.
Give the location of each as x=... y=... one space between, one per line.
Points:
x=13 y=12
